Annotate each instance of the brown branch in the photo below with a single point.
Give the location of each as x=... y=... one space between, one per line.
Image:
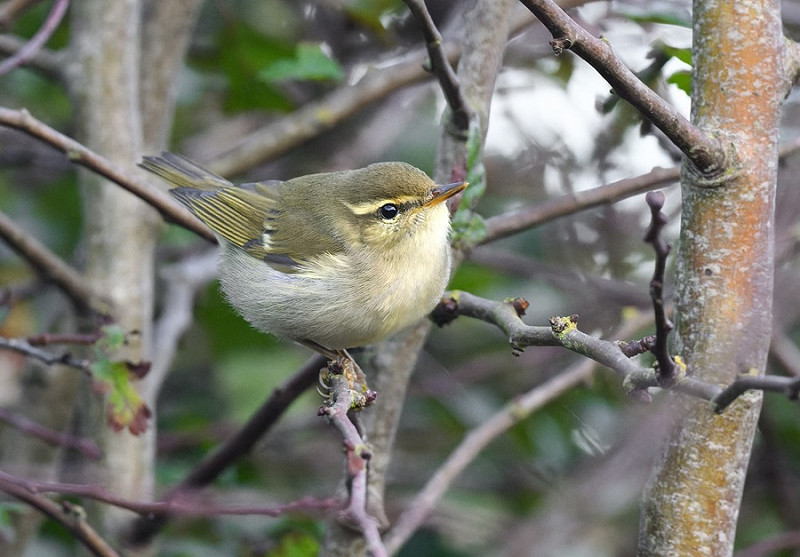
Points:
x=666 y=369
x=86 y=447
x=37 y=41
x=314 y=118
x=170 y=209
x=69 y=516
x=189 y=504
x=51 y=266
x=705 y=152
x=475 y=441
x=563 y=331
x=239 y=444
x=27 y=349
x=788 y=386
x=506 y=224
x=441 y=68
x=358 y=455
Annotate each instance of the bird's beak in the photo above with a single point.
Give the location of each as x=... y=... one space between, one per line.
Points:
x=443 y=193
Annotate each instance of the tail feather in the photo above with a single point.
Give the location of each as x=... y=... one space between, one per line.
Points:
x=183 y=173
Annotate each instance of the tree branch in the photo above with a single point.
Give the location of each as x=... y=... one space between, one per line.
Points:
x=189 y=504
x=506 y=224
x=37 y=41
x=358 y=456
x=441 y=68
x=51 y=266
x=239 y=444
x=666 y=369
x=71 y=517
x=705 y=152
x=170 y=209
x=27 y=349
x=86 y=447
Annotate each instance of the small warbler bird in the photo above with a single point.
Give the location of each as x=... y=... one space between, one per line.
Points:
x=333 y=261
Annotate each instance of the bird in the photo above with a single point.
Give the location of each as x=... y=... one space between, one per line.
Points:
x=334 y=260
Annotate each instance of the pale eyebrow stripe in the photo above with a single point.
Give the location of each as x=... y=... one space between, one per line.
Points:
x=366 y=207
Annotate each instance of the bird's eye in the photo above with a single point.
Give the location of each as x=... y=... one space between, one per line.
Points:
x=388 y=211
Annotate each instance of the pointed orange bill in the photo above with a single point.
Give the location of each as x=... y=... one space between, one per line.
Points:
x=443 y=193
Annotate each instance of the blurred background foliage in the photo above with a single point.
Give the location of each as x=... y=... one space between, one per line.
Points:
x=571 y=474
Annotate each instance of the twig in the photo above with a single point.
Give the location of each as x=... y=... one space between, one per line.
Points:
x=666 y=369
x=189 y=504
x=170 y=209
x=314 y=118
x=69 y=516
x=474 y=442
x=506 y=224
x=27 y=349
x=440 y=66
x=87 y=447
x=146 y=527
x=789 y=386
x=358 y=456
x=51 y=266
x=706 y=153
x=563 y=331
x=37 y=41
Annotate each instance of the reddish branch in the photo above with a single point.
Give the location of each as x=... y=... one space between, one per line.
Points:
x=707 y=154
x=38 y=40
x=71 y=517
x=146 y=527
x=188 y=504
x=85 y=446
x=666 y=369
x=358 y=455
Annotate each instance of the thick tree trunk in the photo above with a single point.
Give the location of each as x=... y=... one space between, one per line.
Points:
x=725 y=276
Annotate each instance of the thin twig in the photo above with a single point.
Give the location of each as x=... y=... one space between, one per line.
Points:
x=563 y=331
x=239 y=444
x=192 y=503
x=71 y=517
x=170 y=209
x=37 y=41
x=474 y=442
x=86 y=447
x=358 y=456
x=27 y=349
x=51 y=266
x=706 y=153
x=666 y=368
x=440 y=66
x=506 y=224
x=789 y=386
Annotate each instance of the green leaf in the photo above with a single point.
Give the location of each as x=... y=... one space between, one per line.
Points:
x=309 y=62
x=663 y=18
x=124 y=407
x=682 y=54
x=683 y=80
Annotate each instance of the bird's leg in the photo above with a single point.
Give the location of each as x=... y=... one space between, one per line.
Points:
x=340 y=361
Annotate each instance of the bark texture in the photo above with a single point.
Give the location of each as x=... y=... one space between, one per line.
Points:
x=725 y=278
